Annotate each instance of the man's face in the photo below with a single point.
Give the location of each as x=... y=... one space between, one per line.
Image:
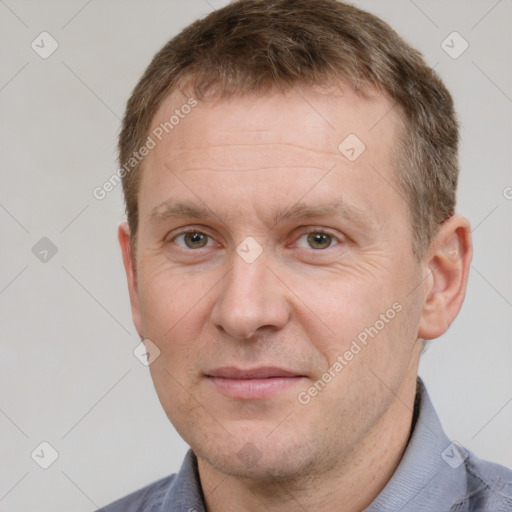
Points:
x=263 y=253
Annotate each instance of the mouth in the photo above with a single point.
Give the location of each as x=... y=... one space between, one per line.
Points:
x=253 y=384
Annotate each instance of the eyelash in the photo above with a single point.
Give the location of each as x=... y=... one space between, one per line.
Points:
x=310 y=230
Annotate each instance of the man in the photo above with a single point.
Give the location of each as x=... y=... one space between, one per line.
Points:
x=290 y=170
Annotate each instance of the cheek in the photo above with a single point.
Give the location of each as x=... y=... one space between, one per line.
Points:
x=175 y=313
x=176 y=392
x=171 y=300
x=344 y=304
x=361 y=314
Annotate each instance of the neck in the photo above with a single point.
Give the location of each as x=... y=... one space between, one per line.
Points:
x=355 y=482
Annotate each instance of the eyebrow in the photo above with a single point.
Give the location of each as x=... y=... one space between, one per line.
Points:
x=169 y=210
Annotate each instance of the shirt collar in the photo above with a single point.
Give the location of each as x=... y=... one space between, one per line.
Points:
x=431 y=468
x=185 y=493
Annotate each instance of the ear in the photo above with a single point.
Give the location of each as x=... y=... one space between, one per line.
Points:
x=123 y=235
x=447 y=268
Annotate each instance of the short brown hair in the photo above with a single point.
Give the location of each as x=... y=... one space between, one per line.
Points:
x=253 y=46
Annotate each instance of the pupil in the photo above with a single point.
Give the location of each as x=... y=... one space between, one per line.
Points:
x=195 y=239
x=319 y=240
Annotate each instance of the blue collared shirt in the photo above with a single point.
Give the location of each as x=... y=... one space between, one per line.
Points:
x=434 y=475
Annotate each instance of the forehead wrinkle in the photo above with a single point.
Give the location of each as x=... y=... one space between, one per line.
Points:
x=273 y=167
x=289 y=149
x=187 y=160
x=175 y=166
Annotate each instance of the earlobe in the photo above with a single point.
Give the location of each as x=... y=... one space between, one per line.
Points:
x=447 y=269
x=123 y=235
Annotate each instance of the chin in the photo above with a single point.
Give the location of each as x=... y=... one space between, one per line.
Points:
x=261 y=460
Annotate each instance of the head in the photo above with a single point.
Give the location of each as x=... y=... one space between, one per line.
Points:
x=294 y=209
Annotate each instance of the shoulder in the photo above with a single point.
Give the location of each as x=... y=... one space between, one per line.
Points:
x=488 y=486
x=147 y=499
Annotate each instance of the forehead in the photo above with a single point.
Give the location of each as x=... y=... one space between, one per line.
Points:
x=298 y=135
x=306 y=117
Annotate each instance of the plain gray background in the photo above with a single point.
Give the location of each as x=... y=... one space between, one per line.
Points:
x=68 y=374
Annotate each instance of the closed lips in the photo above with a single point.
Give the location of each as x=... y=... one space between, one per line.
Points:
x=255 y=373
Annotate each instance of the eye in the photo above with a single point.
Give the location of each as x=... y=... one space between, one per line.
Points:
x=193 y=240
x=317 y=240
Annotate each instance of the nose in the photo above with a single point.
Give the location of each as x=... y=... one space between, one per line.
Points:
x=251 y=297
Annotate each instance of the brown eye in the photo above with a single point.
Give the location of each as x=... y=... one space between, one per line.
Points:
x=319 y=240
x=192 y=240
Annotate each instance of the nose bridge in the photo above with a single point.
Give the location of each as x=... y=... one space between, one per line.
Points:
x=251 y=298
